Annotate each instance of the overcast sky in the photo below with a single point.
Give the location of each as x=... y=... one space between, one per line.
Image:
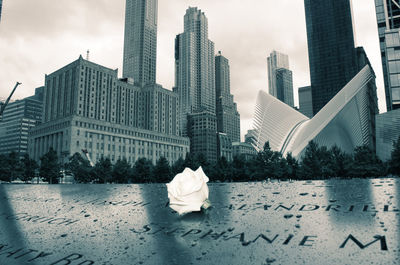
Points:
x=38 y=37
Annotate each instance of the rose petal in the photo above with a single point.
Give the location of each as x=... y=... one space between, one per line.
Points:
x=188 y=191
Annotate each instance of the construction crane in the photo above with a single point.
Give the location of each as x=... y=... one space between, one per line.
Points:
x=4 y=105
x=88 y=157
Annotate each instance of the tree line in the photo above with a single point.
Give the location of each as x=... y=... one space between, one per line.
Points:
x=318 y=162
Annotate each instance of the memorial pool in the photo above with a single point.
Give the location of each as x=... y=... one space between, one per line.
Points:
x=303 y=222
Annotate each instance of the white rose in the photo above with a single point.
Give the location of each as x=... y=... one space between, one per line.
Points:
x=188 y=191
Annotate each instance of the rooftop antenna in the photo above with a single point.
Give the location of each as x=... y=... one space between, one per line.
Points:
x=87 y=55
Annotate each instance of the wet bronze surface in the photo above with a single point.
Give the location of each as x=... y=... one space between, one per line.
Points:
x=320 y=222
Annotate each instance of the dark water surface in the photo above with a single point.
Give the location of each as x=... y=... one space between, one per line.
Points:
x=319 y=222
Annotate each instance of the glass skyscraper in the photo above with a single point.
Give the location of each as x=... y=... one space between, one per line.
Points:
x=280 y=80
x=388 y=19
x=276 y=60
x=305 y=101
x=195 y=84
x=331 y=50
x=1 y=6
x=284 y=86
x=194 y=66
x=140 y=42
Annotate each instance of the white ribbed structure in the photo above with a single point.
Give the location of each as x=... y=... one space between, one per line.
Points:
x=347 y=120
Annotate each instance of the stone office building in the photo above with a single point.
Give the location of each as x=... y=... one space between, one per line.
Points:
x=86 y=106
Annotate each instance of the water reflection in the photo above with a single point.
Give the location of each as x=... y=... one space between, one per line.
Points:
x=10 y=230
x=356 y=201
x=171 y=245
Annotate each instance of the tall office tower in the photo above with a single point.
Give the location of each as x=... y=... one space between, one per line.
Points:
x=1 y=6
x=228 y=118
x=284 y=86
x=305 y=101
x=387 y=15
x=330 y=48
x=140 y=41
x=276 y=60
x=19 y=117
x=86 y=106
x=195 y=82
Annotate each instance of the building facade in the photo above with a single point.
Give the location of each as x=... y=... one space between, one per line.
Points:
x=284 y=86
x=276 y=60
x=86 y=106
x=19 y=117
x=388 y=19
x=243 y=149
x=202 y=129
x=224 y=146
x=330 y=48
x=305 y=101
x=195 y=84
x=140 y=41
x=228 y=118
x=194 y=67
x=387 y=131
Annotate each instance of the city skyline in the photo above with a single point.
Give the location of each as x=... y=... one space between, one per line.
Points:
x=40 y=47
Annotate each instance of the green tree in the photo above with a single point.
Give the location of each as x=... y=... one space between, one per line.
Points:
x=394 y=162
x=366 y=163
x=292 y=167
x=29 y=168
x=121 y=172
x=340 y=163
x=311 y=164
x=14 y=166
x=102 y=171
x=142 y=171
x=240 y=168
x=80 y=167
x=4 y=168
x=49 y=167
x=222 y=170
x=162 y=171
x=190 y=162
x=178 y=166
x=268 y=164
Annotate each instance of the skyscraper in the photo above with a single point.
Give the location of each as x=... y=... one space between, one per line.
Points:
x=387 y=15
x=330 y=48
x=195 y=82
x=305 y=101
x=194 y=66
x=275 y=61
x=140 y=41
x=1 y=6
x=284 y=86
x=228 y=118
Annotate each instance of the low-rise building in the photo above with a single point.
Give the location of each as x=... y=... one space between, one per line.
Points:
x=243 y=149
